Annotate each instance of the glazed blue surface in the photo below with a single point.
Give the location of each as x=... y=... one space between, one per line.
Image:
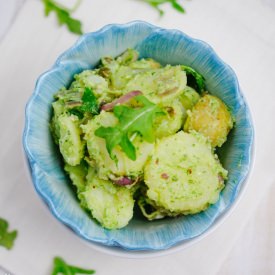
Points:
x=166 y=46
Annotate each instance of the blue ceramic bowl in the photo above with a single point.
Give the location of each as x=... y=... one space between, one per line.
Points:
x=166 y=46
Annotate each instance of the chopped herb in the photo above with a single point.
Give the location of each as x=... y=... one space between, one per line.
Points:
x=88 y=105
x=131 y=120
x=89 y=102
x=6 y=238
x=63 y=16
x=61 y=267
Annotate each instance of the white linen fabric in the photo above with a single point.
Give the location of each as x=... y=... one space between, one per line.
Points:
x=254 y=251
x=8 y=11
x=242 y=33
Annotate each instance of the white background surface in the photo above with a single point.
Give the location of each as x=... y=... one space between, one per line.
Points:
x=242 y=33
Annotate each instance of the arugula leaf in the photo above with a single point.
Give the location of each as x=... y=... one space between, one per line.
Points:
x=63 y=16
x=6 y=238
x=156 y=4
x=177 y=6
x=194 y=79
x=61 y=267
x=76 y=112
x=131 y=120
x=89 y=104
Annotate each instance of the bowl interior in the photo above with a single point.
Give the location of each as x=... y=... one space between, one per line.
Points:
x=168 y=47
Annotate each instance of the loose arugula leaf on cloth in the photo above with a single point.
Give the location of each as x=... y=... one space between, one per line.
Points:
x=6 y=238
x=63 y=16
x=177 y=6
x=156 y=4
x=131 y=120
x=61 y=267
x=194 y=79
x=88 y=104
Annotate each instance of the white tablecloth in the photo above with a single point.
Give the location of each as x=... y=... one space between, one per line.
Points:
x=243 y=34
x=254 y=251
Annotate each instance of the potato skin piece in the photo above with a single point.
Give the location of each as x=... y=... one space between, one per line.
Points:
x=210 y=116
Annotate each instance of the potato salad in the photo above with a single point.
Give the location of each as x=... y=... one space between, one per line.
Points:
x=136 y=132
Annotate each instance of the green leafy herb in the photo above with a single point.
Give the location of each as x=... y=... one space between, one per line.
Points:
x=6 y=238
x=63 y=16
x=131 y=120
x=177 y=6
x=157 y=3
x=194 y=79
x=76 y=112
x=75 y=26
x=61 y=267
x=89 y=104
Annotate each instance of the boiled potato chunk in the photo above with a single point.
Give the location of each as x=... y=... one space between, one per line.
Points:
x=91 y=79
x=171 y=121
x=160 y=85
x=77 y=175
x=110 y=204
x=70 y=143
x=189 y=97
x=184 y=176
x=210 y=117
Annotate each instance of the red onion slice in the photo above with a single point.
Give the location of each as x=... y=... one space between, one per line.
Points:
x=124 y=181
x=120 y=100
x=165 y=176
